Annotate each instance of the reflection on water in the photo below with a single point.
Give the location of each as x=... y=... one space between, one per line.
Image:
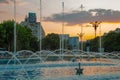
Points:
x=100 y=70
x=19 y=75
x=56 y=73
x=49 y=73
x=89 y=70
x=64 y=73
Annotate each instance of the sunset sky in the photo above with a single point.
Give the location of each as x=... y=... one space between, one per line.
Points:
x=105 y=11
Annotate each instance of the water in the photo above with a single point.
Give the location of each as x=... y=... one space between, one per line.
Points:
x=93 y=77
x=66 y=73
x=47 y=65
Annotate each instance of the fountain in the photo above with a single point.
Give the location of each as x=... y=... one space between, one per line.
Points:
x=33 y=66
x=54 y=65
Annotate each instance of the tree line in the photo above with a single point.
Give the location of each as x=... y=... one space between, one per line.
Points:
x=27 y=41
x=110 y=41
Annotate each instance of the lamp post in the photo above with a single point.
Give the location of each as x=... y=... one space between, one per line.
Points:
x=63 y=26
x=82 y=7
x=14 y=27
x=81 y=37
x=100 y=41
x=40 y=31
x=62 y=33
x=81 y=34
x=95 y=25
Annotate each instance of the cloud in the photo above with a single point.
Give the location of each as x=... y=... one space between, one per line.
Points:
x=4 y=1
x=78 y=17
x=23 y=3
x=3 y=12
x=19 y=2
x=7 y=1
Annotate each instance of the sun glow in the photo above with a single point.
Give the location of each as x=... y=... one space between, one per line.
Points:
x=88 y=31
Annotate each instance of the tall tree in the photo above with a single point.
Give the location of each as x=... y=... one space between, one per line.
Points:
x=112 y=41
x=7 y=34
x=24 y=37
x=51 y=41
x=94 y=43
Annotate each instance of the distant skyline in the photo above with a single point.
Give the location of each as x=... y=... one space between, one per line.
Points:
x=107 y=11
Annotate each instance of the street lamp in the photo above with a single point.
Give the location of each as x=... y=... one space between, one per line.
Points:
x=81 y=37
x=14 y=27
x=95 y=25
x=100 y=41
x=81 y=34
x=62 y=33
x=40 y=30
x=63 y=27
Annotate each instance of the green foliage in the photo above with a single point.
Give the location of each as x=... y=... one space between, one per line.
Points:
x=94 y=44
x=51 y=42
x=25 y=39
x=112 y=41
x=6 y=34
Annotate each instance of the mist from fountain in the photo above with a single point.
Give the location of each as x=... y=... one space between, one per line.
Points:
x=23 y=62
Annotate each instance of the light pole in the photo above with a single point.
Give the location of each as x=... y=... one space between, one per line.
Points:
x=95 y=25
x=81 y=34
x=14 y=27
x=100 y=41
x=82 y=7
x=81 y=38
x=40 y=31
x=62 y=41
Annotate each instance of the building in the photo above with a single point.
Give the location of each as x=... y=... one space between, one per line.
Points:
x=73 y=42
x=65 y=38
x=31 y=22
x=70 y=42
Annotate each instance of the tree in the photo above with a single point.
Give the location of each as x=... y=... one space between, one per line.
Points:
x=51 y=41
x=94 y=43
x=25 y=39
x=34 y=44
x=112 y=41
x=6 y=36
